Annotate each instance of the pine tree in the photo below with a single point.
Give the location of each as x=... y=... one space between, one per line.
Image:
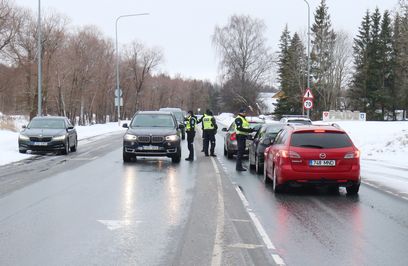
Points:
x=322 y=59
x=359 y=92
x=292 y=74
x=386 y=65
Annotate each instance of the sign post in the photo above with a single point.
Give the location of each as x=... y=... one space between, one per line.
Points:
x=308 y=101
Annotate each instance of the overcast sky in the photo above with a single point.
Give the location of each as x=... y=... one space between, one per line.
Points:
x=183 y=28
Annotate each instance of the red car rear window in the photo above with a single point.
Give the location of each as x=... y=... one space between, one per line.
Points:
x=324 y=140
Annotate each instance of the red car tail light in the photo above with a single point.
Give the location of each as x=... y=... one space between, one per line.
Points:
x=290 y=154
x=352 y=155
x=233 y=136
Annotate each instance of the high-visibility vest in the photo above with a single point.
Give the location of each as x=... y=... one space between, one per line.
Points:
x=207 y=122
x=188 y=126
x=245 y=124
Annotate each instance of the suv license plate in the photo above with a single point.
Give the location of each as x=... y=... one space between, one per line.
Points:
x=40 y=143
x=322 y=163
x=150 y=148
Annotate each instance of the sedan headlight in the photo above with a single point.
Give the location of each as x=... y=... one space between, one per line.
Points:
x=59 y=138
x=172 y=138
x=23 y=137
x=130 y=137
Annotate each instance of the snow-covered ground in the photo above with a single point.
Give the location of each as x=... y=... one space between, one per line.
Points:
x=384 y=152
x=383 y=146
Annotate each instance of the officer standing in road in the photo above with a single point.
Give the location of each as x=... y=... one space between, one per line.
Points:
x=191 y=121
x=242 y=129
x=210 y=129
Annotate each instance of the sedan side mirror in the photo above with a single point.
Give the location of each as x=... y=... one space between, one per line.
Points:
x=71 y=127
x=181 y=126
x=224 y=129
x=125 y=125
x=24 y=126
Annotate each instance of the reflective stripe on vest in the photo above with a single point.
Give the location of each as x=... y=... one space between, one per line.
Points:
x=245 y=124
x=188 y=126
x=207 y=123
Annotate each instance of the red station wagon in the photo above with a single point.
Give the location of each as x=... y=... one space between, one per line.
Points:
x=313 y=155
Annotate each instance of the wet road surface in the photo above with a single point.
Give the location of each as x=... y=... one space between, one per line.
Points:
x=89 y=208
x=319 y=227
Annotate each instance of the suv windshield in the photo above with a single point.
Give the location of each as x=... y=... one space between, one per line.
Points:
x=47 y=123
x=153 y=120
x=326 y=140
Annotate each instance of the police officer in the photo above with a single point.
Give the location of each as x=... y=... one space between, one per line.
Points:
x=242 y=129
x=209 y=130
x=191 y=121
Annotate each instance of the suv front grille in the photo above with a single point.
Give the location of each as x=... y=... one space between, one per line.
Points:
x=157 y=139
x=143 y=139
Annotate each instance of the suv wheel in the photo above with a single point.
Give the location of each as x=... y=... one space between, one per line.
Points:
x=126 y=156
x=276 y=188
x=177 y=157
x=353 y=189
x=22 y=151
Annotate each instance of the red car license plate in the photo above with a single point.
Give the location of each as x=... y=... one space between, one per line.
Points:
x=322 y=163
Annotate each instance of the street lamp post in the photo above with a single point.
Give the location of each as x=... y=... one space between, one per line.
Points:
x=308 y=50
x=39 y=110
x=117 y=58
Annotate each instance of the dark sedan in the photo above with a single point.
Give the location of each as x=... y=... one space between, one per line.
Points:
x=152 y=133
x=48 y=134
x=261 y=140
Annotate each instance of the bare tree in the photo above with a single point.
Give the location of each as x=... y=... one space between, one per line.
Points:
x=10 y=22
x=246 y=61
x=139 y=63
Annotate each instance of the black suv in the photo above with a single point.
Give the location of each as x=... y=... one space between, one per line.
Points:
x=152 y=133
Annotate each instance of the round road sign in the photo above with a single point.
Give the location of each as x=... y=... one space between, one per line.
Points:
x=308 y=104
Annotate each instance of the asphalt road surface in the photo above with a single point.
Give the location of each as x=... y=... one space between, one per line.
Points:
x=89 y=208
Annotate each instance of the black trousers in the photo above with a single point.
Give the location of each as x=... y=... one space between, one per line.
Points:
x=209 y=137
x=190 y=141
x=241 y=141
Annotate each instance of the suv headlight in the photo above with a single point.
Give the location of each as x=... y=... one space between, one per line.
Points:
x=172 y=138
x=23 y=137
x=58 y=138
x=130 y=137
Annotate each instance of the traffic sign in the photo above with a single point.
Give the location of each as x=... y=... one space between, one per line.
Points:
x=308 y=104
x=118 y=93
x=308 y=94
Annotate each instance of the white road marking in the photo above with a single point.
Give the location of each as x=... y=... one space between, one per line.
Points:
x=385 y=190
x=246 y=246
x=270 y=246
x=278 y=260
x=240 y=220
x=117 y=224
x=217 y=250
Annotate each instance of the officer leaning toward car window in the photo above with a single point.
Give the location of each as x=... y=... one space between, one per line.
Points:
x=209 y=130
x=191 y=121
x=242 y=130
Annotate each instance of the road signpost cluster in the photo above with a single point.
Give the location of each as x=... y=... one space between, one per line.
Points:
x=308 y=100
